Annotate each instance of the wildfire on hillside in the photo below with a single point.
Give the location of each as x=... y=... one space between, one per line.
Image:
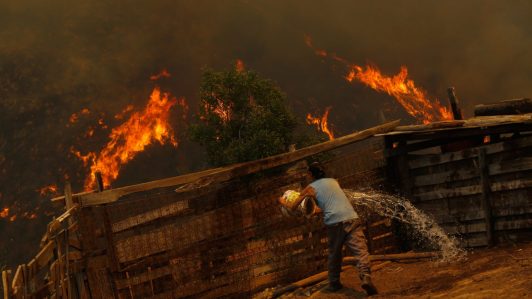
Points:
x=132 y=137
x=413 y=99
x=321 y=123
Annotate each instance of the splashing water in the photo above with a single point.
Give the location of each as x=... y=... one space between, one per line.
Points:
x=425 y=227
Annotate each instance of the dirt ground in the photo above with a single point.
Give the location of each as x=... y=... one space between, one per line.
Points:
x=500 y=272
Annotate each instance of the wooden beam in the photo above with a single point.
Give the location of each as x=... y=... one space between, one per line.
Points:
x=139 y=219
x=457 y=113
x=517 y=106
x=226 y=173
x=486 y=194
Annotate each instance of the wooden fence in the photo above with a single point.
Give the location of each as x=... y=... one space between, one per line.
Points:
x=195 y=236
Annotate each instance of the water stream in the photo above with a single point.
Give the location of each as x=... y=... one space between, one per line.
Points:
x=423 y=228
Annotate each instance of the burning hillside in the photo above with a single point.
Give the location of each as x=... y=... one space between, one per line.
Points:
x=412 y=98
x=133 y=136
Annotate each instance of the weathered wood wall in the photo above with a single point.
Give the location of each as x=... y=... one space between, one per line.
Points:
x=482 y=193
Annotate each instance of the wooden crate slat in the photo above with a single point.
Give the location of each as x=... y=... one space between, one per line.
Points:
x=434 y=159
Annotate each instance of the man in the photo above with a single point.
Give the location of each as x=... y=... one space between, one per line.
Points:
x=343 y=227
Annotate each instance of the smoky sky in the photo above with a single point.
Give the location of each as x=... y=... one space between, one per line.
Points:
x=58 y=57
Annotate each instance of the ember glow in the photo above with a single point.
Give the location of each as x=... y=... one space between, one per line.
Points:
x=51 y=189
x=413 y=99
x=239 y=66
x=224 y=111
x=127 y=140
x=321 y=123
x=163 y=74
x=4 y=213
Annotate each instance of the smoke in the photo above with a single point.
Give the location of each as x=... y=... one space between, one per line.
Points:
x=58 y=57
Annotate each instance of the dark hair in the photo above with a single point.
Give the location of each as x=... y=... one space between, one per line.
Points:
x=316 y=169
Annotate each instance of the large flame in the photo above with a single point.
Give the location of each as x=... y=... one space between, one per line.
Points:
x=321 y=123
x=132 y=137
x=413 y=99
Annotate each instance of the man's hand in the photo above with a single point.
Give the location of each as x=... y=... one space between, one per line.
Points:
x=282 y=201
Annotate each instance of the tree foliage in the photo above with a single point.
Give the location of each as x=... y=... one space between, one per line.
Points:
x=241 y=117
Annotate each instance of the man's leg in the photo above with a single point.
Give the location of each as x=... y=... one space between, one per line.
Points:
x=356 y=241
x=336 y=235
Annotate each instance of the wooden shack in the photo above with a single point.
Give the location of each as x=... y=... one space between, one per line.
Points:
x=474 y=176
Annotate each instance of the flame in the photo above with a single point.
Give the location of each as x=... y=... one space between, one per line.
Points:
x=223 y=110
x=239 y=66
x=321 y=123
x=51 y=189
x=75 y=116
x=132 y=137
x=413 y=99
x=4 y=213
x=164 y=73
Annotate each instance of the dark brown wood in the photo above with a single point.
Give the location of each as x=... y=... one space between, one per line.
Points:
x=398 y=256
x=486 y=194
x=453 y=100
x=517 y=106
x=99 y=181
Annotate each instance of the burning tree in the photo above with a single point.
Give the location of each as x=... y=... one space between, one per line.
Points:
x=241 y=117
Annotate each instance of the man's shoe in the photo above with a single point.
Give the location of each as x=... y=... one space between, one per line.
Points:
x=334 y=287
x=368 y=286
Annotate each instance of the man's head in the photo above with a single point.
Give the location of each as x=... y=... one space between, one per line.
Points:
x=316 y=170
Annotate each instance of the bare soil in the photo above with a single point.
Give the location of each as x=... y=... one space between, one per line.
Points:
x=500 y=272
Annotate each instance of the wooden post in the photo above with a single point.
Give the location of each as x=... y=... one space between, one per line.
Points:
x=486 y=194
x=457 y=112
x=99 y=181
x=6 y=282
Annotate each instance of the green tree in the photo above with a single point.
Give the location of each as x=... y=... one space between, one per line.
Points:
x=242 y=117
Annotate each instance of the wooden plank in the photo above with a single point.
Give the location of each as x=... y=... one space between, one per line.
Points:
x=435 y=159
x=6 y=282
x=508 y=107
x=470 y=128
x=516 y=165
x=17 y=279
x=445 y=177
x=473 y=240
x=44 y=257
x=226 y=173
x=442 y=193
x=478 y=226
x=165 y=211
x=511 y=185
x=486 y=194
x=513 y=224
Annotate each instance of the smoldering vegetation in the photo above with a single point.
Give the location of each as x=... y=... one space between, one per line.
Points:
x=59 y=57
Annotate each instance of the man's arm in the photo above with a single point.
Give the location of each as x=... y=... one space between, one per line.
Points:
x=307 y=192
